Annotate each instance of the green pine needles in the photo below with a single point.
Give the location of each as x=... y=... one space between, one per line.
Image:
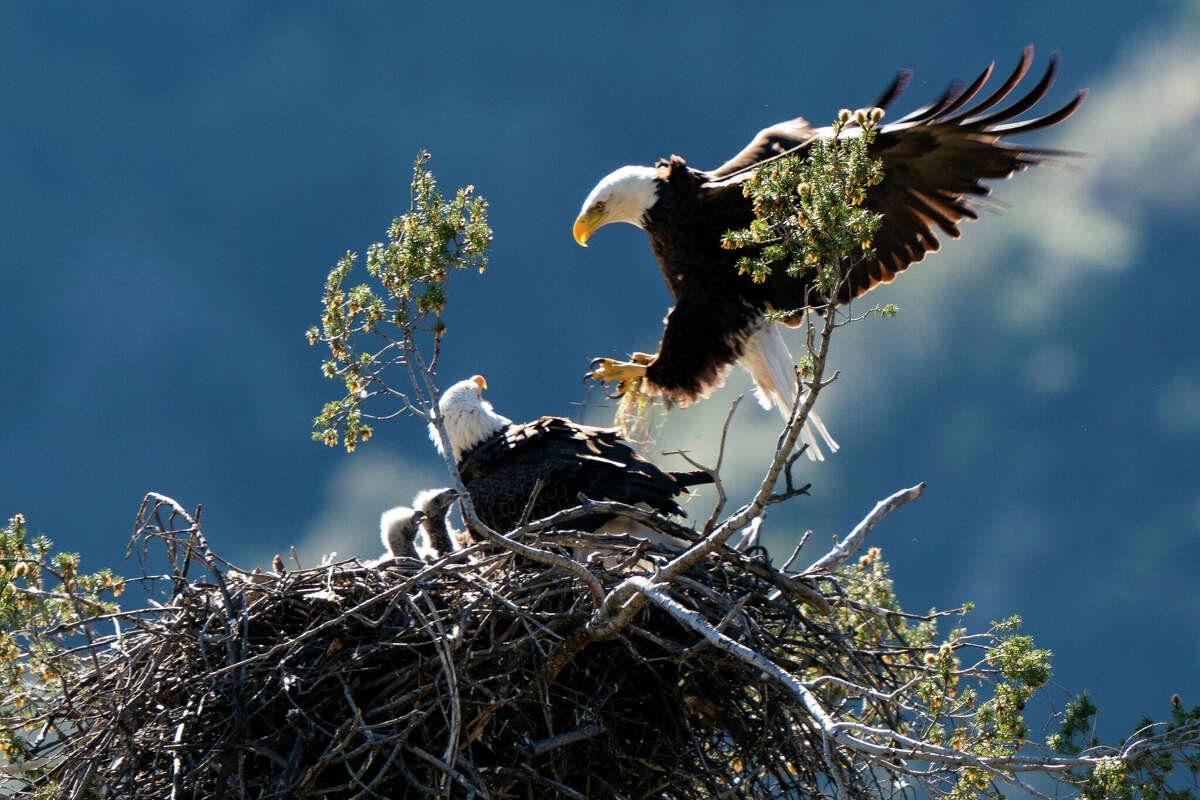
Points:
x=809 y=217
x=47 y=612
x=370 y=330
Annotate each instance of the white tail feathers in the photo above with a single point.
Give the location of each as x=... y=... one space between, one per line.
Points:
x=766 y=356
x=770 y=363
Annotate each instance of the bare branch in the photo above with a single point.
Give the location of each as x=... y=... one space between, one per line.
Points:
x=853 y=541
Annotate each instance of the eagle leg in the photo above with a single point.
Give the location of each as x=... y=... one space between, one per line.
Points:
x=607 y=370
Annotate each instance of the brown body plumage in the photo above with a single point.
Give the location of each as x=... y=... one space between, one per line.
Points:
x=568 y=460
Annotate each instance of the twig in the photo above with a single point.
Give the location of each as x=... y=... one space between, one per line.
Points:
x=538 y=485
x=853 y=541
x=715 y=471
x=563 y=739
x=790 y=491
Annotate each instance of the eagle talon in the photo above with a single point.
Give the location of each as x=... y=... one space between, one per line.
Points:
x=607 y=370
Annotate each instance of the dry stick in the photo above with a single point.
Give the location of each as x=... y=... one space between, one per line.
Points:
x=796 y=552
x=533 y=496
x=449 y=770
x=233 y=656
x=715 y=470
x=853 y=541
x=177 y=764
x=563 y=739
x=787 y=583
x=447 y=659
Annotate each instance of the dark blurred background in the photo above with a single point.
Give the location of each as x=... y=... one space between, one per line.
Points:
x=178 y=179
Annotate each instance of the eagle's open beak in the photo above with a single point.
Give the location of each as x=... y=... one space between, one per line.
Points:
x=587 y=223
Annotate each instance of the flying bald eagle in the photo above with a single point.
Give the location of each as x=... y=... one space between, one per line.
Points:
x=502 y=464
x=934 y=162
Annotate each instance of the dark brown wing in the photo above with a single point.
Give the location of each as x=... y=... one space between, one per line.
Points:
x=792 y=134
x=937 y=158
x=771 y=142
x=568 y=460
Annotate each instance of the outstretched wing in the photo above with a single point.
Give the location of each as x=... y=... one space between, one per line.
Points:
x=936 y=159
x=790 y=136
x=780 y=138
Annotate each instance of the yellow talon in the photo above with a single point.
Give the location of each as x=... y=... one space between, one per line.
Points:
x=608 y=370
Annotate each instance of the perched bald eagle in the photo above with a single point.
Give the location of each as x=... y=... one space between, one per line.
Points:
x=502 y=463
x=934 y=162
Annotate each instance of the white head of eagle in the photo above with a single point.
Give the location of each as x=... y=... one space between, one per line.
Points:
x=622 y=196
x=469 y=418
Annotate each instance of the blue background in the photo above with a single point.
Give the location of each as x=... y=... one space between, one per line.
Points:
x=176 y=180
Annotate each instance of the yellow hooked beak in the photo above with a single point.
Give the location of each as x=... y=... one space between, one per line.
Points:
x=587 y=223
x=479 y=381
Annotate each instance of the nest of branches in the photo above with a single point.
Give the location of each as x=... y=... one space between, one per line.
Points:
x=473 y=676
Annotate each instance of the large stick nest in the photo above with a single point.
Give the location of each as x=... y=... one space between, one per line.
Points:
x=416 y=679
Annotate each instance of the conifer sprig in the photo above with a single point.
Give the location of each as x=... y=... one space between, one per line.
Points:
x=369 y=330
x=808 y=212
